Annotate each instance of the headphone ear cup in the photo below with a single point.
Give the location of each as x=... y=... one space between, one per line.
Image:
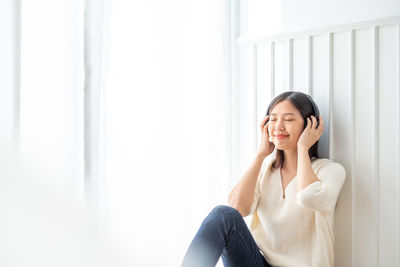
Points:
x=316 y=110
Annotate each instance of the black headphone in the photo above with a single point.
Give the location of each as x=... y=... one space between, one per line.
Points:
x=315 y=108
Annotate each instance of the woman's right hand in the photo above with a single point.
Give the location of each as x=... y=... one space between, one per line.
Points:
x=266 y=146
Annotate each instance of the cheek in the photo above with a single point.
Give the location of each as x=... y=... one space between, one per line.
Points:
x=296 y=130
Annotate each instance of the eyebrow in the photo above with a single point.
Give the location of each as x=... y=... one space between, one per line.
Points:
x=283 y=114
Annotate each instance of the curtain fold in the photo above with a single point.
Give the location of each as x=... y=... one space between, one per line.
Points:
x=10 y=49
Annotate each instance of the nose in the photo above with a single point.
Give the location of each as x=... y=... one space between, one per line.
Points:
x=279 y=125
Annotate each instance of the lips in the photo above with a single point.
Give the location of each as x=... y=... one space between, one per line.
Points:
x=281 y=136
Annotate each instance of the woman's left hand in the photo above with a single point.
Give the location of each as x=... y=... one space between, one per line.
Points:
x=311 y=133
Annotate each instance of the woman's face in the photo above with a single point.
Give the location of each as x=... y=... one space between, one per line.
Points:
x=285 y=120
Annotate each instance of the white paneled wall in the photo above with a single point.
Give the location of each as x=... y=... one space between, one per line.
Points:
x=352 y=72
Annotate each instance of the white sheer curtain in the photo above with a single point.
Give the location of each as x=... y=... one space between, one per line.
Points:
x=51 y=78
x=164 y=125
x=43 y=222
x=160 y=129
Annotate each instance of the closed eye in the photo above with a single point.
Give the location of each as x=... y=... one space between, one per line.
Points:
x=285 y=120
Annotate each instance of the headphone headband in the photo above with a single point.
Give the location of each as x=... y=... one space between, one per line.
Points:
x=315 y=109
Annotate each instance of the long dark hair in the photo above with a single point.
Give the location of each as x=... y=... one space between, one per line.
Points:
x=303 y=104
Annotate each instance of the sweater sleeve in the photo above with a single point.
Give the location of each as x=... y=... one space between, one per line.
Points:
x=322 y=195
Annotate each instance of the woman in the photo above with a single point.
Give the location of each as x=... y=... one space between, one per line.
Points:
x=292 y=200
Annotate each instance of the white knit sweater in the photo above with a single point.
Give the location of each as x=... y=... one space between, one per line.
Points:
x=296 y=231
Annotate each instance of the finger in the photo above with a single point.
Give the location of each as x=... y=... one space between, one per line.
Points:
x=315 y=122
x=320 y=122
x=264 y=123
x=321 y=128
x=309 y=123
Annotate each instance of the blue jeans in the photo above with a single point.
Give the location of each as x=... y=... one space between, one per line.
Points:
x=225 y=232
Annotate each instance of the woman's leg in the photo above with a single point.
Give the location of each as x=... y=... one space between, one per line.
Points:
x=223 y=232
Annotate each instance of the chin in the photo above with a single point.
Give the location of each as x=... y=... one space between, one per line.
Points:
x=284 y=146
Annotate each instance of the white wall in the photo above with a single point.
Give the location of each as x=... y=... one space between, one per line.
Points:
x=352 y=72
x=354 y=77
x=307 y=14
x=265 y=17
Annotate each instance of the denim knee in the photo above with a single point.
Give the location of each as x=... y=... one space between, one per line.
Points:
x=225 y=211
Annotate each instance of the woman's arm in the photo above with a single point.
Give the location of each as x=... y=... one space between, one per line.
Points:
x=322 y=195
x=305 y=173
x=242 y=195
x=311 y=134
x=317 y=191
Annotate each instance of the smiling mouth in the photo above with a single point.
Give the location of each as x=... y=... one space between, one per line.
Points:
x=281 y=136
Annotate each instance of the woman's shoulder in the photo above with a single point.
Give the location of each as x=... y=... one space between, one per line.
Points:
x=267 y=167
x=324 y=161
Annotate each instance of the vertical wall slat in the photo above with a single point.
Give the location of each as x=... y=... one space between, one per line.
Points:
x=290 y=62
x=272 y=70
x=330 y=82
x=376 y=143
x=310 y=65
x=255 y=107
x=388 y=135
x=281 y=68
x=366 y=209
x=398 y=137
x=340 y=139
x=318 y=76
x=300 y=65
x=353 y=149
